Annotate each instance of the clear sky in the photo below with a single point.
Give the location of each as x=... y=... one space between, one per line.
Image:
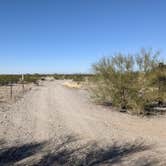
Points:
x=67 y=36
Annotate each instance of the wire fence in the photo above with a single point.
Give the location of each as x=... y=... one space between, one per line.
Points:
x=12 y=92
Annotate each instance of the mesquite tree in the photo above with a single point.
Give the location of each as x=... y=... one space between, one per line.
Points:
x=129 y=81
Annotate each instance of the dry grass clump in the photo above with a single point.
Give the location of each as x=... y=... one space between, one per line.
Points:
x=71 y=84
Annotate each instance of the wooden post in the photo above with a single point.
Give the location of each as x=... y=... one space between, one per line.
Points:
x=23 y=88
x=11 y=90
x=22 y=77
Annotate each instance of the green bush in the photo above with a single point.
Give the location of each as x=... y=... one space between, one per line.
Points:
x=32 y=78
x=74 y=77
x=129 y=82
x=12 y=79
x=9 y=79
x=78 y=78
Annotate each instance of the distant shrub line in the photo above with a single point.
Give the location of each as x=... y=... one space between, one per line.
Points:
x=14 y=79
x=34 y=78
x=74 y=77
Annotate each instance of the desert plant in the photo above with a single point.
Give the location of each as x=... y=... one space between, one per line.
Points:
x=78 y=78
x=9 y=79
x=114 y=80
x=32 y=78
x=128 y=81
x=158 y=82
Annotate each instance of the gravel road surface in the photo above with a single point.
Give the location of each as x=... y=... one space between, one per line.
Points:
x=55 y=125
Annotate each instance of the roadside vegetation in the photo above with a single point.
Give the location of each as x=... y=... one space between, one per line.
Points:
x=75 y=77
x=8 y=79
x=13 y=86
x=28 y=78
x=133 y=83
x=34 y=78
x=14 y=79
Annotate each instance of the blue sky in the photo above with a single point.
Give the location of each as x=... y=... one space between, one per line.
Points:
x=67 y=36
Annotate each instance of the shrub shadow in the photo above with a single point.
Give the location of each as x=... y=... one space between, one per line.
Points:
x=11 y=155
x=92 y=155
x=65 y=154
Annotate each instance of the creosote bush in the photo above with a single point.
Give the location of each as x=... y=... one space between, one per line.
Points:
x=130 y=82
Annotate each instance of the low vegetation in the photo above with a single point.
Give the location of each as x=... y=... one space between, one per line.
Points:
x=28 y=78
x=75 y=77
x=14 y=79
x=9 y=79
x=134 y=83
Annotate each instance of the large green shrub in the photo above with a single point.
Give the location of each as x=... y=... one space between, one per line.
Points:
x=129 y=82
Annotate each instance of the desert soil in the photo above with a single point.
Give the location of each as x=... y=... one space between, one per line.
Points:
x=56 y=125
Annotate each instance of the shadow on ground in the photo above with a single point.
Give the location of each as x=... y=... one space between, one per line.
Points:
x=14 y=154
x=84 y=155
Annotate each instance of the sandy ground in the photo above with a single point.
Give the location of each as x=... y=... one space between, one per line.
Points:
x=56 y=125
x=6 y=100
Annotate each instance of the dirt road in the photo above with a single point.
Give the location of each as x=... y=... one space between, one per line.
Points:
x=54 y=125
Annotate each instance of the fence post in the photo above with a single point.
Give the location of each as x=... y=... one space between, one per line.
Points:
x=11 y=90
x=23 y=88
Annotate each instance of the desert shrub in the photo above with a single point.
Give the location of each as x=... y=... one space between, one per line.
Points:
x=114 y=80
x=32 y=78
x=78 y=78
x=150 y=85
x=75 y=77
x=129 y=82
x=102 y=82
x=57 y=77
x=9 y=79
x=12 y=79
x=158 y=83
